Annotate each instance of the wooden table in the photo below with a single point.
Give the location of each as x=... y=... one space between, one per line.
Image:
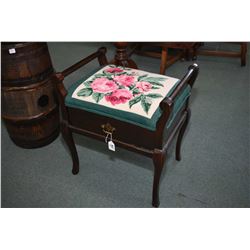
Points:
x=186 y=50
x=238 y=54
x=122 y=57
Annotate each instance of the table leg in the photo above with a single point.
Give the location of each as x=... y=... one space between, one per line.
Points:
x=164 y=55
x=243 y=53
x=121 y=56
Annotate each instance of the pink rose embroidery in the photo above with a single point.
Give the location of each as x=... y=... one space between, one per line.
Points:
x=124 y=80
x=143 y=86
x=114 y=70
x=103 y=85
x=119 y=96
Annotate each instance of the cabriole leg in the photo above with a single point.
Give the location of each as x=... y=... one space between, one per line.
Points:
x=67 y=136
x=180 y=136
x=158 y=159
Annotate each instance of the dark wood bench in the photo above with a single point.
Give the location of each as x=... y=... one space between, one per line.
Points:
x=143 y=141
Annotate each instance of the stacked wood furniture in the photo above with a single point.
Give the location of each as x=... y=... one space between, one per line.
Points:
x=241 y=53
x=99 y=122
x=29 y=108
x=184 y=50
x=187 y=51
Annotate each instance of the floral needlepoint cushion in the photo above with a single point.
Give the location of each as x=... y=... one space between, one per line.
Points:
x=125 y=94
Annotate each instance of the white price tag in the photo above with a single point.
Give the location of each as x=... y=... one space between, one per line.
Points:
x=111 y=146
x=12 y=51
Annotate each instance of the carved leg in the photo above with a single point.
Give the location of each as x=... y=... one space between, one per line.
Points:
x=180 y=136
x=67 y=136
x=158 y=159
x=121 y=56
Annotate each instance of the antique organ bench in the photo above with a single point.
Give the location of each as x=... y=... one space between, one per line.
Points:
x=125 y=107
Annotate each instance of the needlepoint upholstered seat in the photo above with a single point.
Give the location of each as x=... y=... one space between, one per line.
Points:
x=141 y=111
x=129 y=95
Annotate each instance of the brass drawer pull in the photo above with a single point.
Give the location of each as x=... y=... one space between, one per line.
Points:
x=107 y=128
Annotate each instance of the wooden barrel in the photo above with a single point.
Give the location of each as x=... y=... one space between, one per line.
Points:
x=29 y=108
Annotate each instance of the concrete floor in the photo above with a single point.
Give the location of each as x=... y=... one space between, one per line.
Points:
x=214 y=171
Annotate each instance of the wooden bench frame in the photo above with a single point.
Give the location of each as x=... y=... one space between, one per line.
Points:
x=142 y=141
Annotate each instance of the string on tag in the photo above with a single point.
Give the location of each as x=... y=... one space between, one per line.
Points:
x=107 y=137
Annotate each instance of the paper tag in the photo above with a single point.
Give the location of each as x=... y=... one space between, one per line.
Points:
x=111 y=146
x=12 y=51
